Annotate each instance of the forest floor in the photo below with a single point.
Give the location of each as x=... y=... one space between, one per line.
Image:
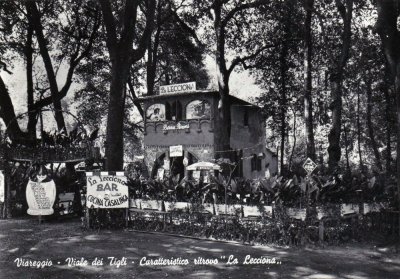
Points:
x=72 y=252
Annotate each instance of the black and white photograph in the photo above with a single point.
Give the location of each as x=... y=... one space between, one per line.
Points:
x=199 y=139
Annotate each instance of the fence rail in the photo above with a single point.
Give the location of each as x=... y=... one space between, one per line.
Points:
x=262 y=224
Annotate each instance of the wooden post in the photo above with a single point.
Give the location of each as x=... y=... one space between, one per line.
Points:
x=186 y=156
x=321 y=229
x=87 y=214
x=126 y=217
x=7 y=182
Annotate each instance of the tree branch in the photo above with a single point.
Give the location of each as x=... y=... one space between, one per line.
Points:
x=134 y=98
x=242 y=7
x=187 y=28
x=242 y=60
x=76 y=58
x=130 y=16
x=341 y=9
x=108 y=18
x=141 y=49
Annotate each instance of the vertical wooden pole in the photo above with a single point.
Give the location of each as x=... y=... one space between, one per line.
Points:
x=186 y=156
x=321 y=229
x=7 y=181
x=126 y=217
x=87 y=216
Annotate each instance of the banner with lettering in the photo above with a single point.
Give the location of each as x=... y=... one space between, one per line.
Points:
x=106 y=190
x=2 y=185
x=40 y=197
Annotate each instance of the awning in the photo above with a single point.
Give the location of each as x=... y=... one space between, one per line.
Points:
x=203 y=166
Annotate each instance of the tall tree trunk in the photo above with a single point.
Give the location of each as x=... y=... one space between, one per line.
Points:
x=32 y=114
x=386 y=25
x=7 y=113
x=334 y=134
x=152 y=60
x=34 y=18
x=359 y=133
x=371 y=127
x=346 y=148
x=283 y=105
x=115 y=151
x=388 y=104
x=152 y=53
x=122 y=56
x=336 y=80
x=223 y=119
x=294 y=139
x=308 y=108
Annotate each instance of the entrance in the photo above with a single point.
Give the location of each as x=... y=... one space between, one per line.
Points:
x=165 y=165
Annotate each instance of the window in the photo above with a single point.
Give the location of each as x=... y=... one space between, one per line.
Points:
x=168 y=112
x=246 y=118
x=256 y=162
x=198 y=109
x=253 y=162
x=258 y=166
x=174 y=111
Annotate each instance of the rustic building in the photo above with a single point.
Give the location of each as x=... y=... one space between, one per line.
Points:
x=179 y=129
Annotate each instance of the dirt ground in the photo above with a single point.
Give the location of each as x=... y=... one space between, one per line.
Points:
x=24 y=241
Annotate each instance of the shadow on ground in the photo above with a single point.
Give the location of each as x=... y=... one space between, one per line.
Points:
x=27 y=240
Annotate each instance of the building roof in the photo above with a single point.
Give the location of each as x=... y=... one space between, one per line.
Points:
x=234 y=100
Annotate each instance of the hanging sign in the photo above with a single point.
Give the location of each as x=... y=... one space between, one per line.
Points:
x=176 y=151
x=309 y=166
x=106 y=191
x=2 y=184
x=40 y=196
x=178 y=88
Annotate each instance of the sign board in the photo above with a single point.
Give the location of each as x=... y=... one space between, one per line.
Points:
x=40 y=197
x=309 y=166
x=2 y=184
x=176 y=126
x=176 y=151
x=178 y=88
x=106 y=191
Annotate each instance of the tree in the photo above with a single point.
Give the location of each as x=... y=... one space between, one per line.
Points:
x=77 y=54
x=121 y=33
x=276 y=71
x=386 y=26
x=174 y=53
x=32 y=24
x=7 y=112
x=336 y=79
x=229 y=20
x=308 y=107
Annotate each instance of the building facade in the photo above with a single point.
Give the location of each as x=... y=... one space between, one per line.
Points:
x=179 y=130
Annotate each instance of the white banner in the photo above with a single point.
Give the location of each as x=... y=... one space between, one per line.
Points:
x=107 y=191
x=40 y=197
x=2 y=185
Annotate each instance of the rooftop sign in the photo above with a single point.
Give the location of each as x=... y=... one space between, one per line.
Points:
x=178 y=88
